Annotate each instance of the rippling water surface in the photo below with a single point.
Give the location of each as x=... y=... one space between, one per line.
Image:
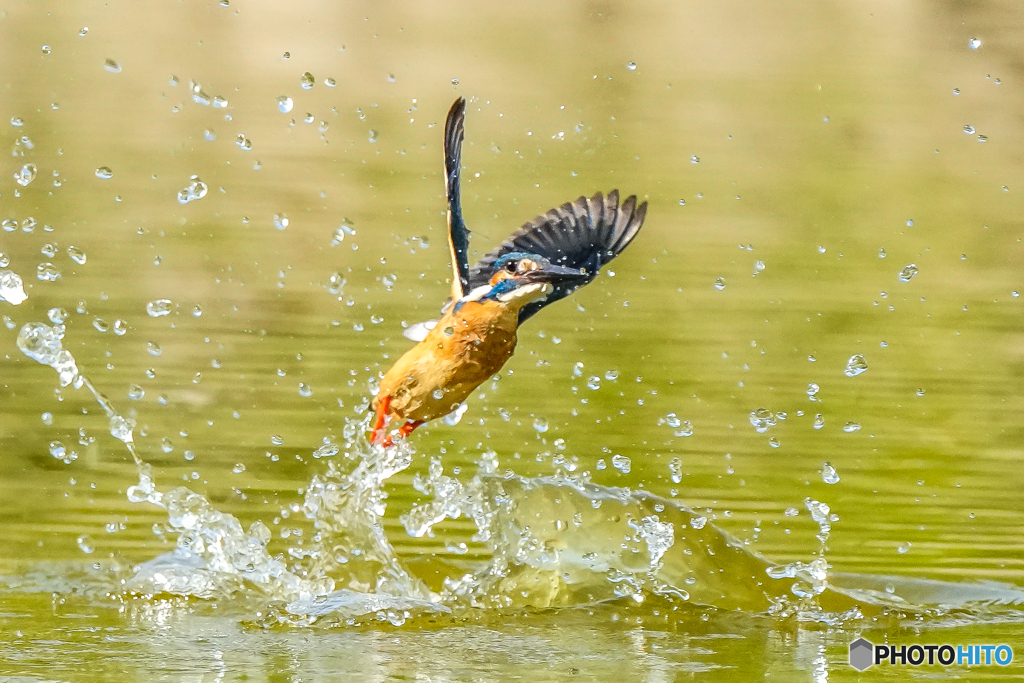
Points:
x=788 y=416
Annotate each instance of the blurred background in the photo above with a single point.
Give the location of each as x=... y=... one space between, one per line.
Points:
x=825 y=181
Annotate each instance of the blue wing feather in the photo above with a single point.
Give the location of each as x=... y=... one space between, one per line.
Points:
x=587 y=233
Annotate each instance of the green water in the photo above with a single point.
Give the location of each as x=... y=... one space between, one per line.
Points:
x=807 y=140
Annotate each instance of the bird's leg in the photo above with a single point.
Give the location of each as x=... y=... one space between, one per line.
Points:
x=379 y=423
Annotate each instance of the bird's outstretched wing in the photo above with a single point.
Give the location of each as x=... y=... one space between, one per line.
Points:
x=458 y=234
x=587 y=233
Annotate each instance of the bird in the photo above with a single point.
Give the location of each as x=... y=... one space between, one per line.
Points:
x=545 y=260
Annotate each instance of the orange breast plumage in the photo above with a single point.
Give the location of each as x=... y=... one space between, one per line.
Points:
x=467 y=346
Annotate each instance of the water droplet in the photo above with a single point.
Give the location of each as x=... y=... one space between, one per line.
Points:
x=812 y=391
x=159 y=307
x=135 y=392
x=304 y=390
x=285 y=104
x=622 y=463
x=209 y=134
x=694 y=159
x=829 y=474
x=100 y=324
x=243 y=142
x=453 y=418
x=851 y=427
x=881 y=253
x=720 y=284
x=373 y=135
x=152 y=347
x=104 y=173
x=47 y=272
x=77 y=255
x=281 y=221
x=611 y=375
x=758 y=267
x=698 y=522
x=974 y=43
x=762 y=419
x=199 y=96
x=12 y=288
x=49 y=250
x=112 y=66
x=594 y=383
x=855 y=366
x=196 y=189
x=819 y=421
x=307 y=81
x=772 y=441
x=57 y=450
x=969 y=129
x=903 y=548
x=85 y=544
x=330 y=82
x=675 y=468
x=920 y=392
x=238 y=468
x=83 y=31
x=121 y=428
x=908 y=272
x=982 y=138
x=540 y=424
x=631 y=66
x=685 y=429
x=26 y=175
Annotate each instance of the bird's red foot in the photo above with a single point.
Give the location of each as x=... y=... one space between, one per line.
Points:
x=379 y=437
x=404 y=431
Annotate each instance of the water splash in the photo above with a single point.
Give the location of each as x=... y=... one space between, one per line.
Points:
x=550 y=542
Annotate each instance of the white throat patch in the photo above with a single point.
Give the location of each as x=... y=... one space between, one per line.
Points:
x=528 y=293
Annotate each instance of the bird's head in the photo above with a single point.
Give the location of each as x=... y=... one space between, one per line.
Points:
x=517 y=278
x=520 y=278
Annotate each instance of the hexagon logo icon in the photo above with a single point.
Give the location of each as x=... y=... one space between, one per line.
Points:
x=861 y=654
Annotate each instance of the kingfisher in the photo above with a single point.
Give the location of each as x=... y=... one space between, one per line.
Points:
x=547 y=259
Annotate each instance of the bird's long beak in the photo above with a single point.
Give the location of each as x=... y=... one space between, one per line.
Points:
x=556 y=274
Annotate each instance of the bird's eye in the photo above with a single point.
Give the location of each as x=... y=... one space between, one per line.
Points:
x=511 y=266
